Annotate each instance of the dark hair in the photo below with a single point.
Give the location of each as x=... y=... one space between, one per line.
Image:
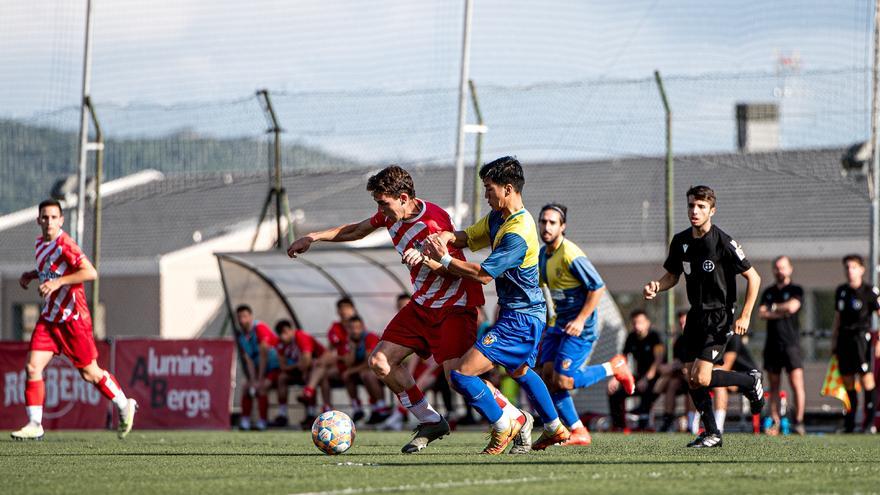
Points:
x=402 y=296
x=50 y=202
x=854 y=257
x=393 y=181
x=557 y=207
x=283 y=325
x=781 y=257
x=702 y=193
x=681 y=312
x=355 y=319
x=243 y=307
x=344 y=300
x=637 y=312
x=503 y=171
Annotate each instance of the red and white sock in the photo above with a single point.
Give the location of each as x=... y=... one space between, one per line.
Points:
x=509 y=410
x=34 y=395
x=109 y=388
x=414 y=400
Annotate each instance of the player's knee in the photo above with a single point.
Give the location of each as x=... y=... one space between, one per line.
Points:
x=698 y=380
x=34 y=372
x=562 y=382
x=378 y=363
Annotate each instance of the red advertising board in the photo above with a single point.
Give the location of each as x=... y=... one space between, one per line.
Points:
x=177 y=383
x=71 y=402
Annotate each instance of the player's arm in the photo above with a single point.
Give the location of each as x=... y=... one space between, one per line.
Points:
x=576 y=326
x=594 y=287
x=753 y=285
x=26 y=278
x=654 y=287
x=305 y=361
x=342 y=233
x=264 y=359
x=435 y=248
x=85 y=272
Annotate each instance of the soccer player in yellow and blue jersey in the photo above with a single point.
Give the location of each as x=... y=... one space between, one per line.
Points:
x=576 y=289
x=512 y=342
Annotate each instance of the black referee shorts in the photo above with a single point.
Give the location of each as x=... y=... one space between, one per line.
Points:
x=780 y=356
x=854 y=355
x=706 y=333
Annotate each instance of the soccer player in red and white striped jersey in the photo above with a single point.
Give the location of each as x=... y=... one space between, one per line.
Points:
x=65 y=325
x=441 y=318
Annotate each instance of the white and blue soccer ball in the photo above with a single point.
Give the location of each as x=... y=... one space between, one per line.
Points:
x=333 y=432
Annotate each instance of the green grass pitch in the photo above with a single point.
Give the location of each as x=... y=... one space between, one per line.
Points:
x=287 y=463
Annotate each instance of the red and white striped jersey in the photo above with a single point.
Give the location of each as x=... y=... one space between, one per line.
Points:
x=54 y=260
x=431 y=290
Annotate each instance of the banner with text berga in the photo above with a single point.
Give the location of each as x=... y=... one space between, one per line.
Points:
x=177 y=383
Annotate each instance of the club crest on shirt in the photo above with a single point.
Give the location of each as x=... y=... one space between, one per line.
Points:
x=489 y=339
x=566 y=363
x=856 y=304
x=708 y=266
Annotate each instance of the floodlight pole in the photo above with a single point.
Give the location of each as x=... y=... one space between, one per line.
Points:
x=98 y=147
x=874 y=169
x=670 y=210
x=277 y=191
x=79 y=223
x=458 y=193
x=481 y=130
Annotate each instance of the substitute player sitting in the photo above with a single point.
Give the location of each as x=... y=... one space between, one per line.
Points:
x=300 y=360
x=441 y=318
x=710 y=260
x=512 y=342
x=65 y=324
x=576 y=289
x=257 y=343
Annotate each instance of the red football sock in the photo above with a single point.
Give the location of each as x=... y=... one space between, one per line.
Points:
x=247 y=404
x=34 y=392
x=263 y=405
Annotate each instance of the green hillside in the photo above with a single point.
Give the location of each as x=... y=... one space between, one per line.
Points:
x=33 y=158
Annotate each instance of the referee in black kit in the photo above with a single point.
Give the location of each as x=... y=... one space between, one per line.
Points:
x=855 y=301
x=710 y=261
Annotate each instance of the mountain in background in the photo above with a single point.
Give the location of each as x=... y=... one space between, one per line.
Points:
x=33 y=158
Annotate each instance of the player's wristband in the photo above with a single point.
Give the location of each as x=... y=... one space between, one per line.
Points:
x=446 y=260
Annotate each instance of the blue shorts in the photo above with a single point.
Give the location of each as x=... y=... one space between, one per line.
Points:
x=568 y=354
x=513 y=340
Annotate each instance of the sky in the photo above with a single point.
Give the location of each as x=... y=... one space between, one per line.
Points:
x=377 y=79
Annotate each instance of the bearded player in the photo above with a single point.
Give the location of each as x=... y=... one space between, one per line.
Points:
x=576 y=289
x=65 y=325
x=441 y=318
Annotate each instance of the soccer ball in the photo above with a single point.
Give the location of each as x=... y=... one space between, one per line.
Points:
x=333 y=432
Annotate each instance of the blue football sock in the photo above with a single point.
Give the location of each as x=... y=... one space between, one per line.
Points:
x=539 y=395
x=477 y=394
x=565 y=405
x=589 y=376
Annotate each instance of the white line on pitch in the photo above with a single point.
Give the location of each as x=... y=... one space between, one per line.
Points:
x=428 y=486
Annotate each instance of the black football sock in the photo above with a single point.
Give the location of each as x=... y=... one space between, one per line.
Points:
x=722 y=378
x=849 y=421
x=870 y=408
x=703 y=404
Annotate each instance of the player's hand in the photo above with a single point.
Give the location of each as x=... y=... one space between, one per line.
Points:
x=574 y=328
x=741 y=327
x=412 y=258
x=299 y=246
x=49 y=286
x=434 y=247
x=877 y=349
x=651 y=289
x=25 y=280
